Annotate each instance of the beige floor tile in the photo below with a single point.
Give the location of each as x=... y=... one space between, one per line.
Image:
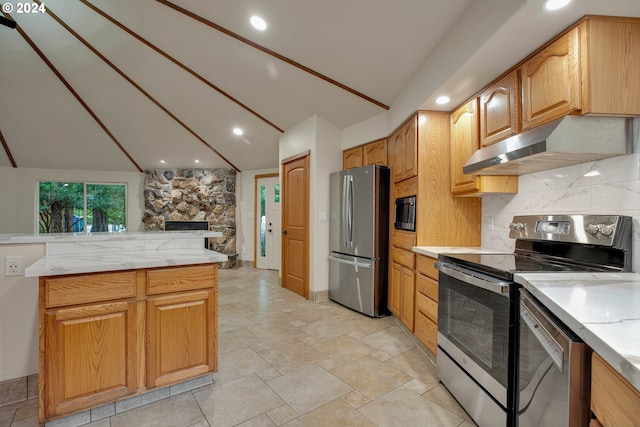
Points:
x=441 y=397
x=417 y=386
x=27 y=422
x=402 y=407
x=415 y=364
x=236 y=339
x=291 y=356
x=370 y=377
x=308 y=388
x=392 y=341
x=179 y=410
x=234 y=322
x=335 y=413
x=27 y=411
x=344 y=349
x=237 y=364
x=236 y=402
x=355 y=399
x=282 y=415
x=260 y=421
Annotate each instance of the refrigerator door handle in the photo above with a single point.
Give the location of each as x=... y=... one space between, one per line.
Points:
x=350 y=212
x=349 y=262
x=347 y=209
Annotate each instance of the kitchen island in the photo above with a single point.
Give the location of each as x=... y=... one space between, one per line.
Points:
x=121 y=315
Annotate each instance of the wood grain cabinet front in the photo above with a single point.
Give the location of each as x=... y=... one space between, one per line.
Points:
x=90 y=355
x=426 y=319
x=104 y=336
x=181 y=336
x=375 y=153
x=352 y=158
x=403 y=150
x=500 y=109
x=614 y=401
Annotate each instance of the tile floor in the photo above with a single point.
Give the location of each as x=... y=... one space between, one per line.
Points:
x=285 y=361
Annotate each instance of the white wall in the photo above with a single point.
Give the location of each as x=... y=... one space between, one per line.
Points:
x=615 y=190
x=19 y=193
x=245 y=204
x=322 y=139
x=19 y=315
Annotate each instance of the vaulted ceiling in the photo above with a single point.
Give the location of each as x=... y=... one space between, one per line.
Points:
x=122 y=85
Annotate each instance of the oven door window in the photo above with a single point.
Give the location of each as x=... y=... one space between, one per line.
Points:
x=477 y=321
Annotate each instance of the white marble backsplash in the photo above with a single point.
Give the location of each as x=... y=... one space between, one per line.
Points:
x=609 y=186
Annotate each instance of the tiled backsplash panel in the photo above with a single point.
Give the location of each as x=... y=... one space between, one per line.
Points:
x=609 y=186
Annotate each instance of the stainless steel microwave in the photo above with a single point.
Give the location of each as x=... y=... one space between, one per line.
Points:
x=405 y=214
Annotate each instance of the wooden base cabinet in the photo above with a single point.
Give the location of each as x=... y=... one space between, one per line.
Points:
x=105 y=336
x=427 y=302
x=614 y=401
x=91 y=355
x=181 y=339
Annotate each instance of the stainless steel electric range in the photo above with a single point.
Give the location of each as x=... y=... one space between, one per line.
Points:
x=505 y=358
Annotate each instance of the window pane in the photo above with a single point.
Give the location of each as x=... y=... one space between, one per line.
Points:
x=263 y=219
x=276 y=197
x=61 y=207
x=106 y=208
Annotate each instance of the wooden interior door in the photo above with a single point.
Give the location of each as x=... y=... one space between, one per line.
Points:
x=295 y=224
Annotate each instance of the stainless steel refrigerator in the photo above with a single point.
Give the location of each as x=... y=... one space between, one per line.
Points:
x=359 y=239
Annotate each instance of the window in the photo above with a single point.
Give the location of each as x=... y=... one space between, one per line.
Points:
x=62 y=207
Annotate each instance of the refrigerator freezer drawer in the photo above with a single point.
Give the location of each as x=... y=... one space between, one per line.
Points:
x=355 y=283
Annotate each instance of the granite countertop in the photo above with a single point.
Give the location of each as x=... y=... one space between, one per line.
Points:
x=603 y=309
x=112 y=261
x=434 y=251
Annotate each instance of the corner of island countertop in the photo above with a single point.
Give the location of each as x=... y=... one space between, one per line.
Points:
x=434 y=251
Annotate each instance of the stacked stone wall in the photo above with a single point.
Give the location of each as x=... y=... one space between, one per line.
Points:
x=193 y=195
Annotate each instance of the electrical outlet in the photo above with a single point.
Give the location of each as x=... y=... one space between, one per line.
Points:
x=13 y=266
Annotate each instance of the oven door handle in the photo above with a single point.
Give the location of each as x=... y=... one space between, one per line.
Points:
x=496 y=286
x=545 y=337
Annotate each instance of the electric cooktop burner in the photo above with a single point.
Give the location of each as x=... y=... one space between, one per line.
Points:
x=505 y=265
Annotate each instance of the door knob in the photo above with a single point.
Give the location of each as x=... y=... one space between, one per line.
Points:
x=284 y=232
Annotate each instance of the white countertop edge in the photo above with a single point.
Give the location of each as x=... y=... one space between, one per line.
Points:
x=12 y=239
x=434 y=251
x=613 y=337
x=94 y=263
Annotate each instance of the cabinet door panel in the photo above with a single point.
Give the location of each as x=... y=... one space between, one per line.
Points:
x=500 y=110
x=464 y=142
x=182 y=335
x=393 y=302
x=352 y=158
x=91 y=356
x=407 y=296
x=375 y=153
x=551 y=81
x=410 y=149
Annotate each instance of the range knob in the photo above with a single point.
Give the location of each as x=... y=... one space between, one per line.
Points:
x=606 y=229
x=592 y=229
x=516 y=226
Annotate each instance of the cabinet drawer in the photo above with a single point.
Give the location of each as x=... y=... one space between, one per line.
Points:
x=613 y=400
x=427 y=286
x=402 y=257
x=89 y=288
x=427 y=332
x=404 y=240
x=425 y=265
x=427 y=306
x=176 y=279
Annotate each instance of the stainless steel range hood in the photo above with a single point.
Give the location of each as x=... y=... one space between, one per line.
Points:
x=563 y=142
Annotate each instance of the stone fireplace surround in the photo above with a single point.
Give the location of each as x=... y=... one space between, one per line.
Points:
x=194 y=195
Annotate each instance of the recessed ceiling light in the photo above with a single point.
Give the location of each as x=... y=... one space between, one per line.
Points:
x=197 y=161
x=441 y=100
x=162 y=161
x=556 y=4
x=238 y=131
x=258 y=23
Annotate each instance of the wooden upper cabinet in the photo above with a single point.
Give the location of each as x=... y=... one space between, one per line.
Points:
x=500 y=109
x=551 y=81
x=375 y=153
x=403 y=147
x=592 y=68
x=464 y=142
x=352 y=158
